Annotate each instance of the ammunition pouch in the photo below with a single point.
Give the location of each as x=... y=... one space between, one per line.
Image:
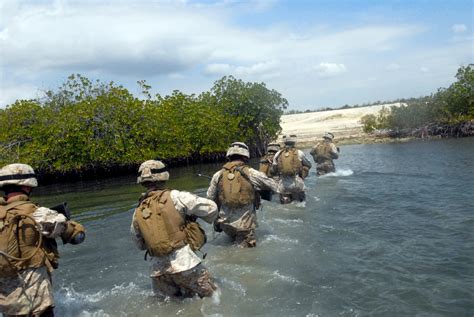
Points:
x=195 y=235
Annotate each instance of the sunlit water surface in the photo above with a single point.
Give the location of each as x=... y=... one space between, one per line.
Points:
x=389 y=234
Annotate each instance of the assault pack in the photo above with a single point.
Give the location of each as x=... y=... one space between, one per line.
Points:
x=234 y=187
x=321 y=152
x=162 y=226
x=289 y=163
x=266 y=164
x=20 y=239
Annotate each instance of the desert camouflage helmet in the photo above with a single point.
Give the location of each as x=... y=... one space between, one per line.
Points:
x=238 y=148
x=18 y=174
x=328 y=135
x=289 y=139
x=152 y=171
x=273 y=147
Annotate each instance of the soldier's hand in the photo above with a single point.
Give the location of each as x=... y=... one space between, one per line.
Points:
x=217 y=226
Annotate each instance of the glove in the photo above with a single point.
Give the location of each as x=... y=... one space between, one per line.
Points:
x=74 y=233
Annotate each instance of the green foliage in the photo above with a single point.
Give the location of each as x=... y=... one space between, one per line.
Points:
x=86 y=126
x=256 y=108
x=449 y=105
x=369 y=123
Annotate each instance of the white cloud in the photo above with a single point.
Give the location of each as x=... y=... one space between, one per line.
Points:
x=459 y=28
x=392 y=67
x=267 y=69
x=185 y=45
x=218 y=69
x=424 y=69
x=326 y=70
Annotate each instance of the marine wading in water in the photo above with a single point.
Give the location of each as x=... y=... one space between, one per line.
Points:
x=28 y=249
x=324 y=153
x=164 y=224
x=292 y=167
x=236 y=190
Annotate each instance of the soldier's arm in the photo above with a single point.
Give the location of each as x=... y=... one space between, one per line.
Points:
x=334 y=151
x=304 y=159
x=261 y=181
x=193 y=205
x=52 y=223
x=136 y=236
x=212 y=190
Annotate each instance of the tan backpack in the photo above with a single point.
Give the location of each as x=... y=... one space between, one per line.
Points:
x=266 y=164
x=17 y=232
x=288 y=162
x=322 y=152
x=162 y=226
x=234 y=187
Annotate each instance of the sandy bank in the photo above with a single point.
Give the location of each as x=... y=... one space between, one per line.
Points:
x=344 y=123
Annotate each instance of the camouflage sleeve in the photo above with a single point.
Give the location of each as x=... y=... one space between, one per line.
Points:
x=334 y=151
x=275 y=158
x=304 y=159
x=194 y=205
x=52 y=223
x=212 y=190
x=261 y=181
x=136 y=236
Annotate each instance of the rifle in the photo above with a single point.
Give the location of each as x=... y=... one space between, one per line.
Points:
x=62 y=209
x=204 y=175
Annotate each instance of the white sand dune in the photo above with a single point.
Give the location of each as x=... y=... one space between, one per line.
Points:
x=343 y=123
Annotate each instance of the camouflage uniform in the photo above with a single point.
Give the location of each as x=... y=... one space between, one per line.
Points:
x=25 y=283
x=240 y=223
x=292 y=187
x=179 y=273
x=323 y=154
x=31 y=291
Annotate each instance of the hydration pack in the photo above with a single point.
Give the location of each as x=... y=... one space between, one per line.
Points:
x=289 y=163
x=19 y=239
x=234 y=187
x=266 y=164
x=321 y=152
x=162 y=226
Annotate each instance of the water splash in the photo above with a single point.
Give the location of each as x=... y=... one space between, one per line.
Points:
x=287 y=221
x=339 y=173
x=277 y=275
x=273 y=237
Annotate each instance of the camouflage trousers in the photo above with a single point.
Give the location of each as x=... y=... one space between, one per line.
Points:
x=325 y=167
x=195 y=281
x=244 y=238
x=30 y=293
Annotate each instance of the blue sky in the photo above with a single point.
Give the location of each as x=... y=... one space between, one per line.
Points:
x=316 y=53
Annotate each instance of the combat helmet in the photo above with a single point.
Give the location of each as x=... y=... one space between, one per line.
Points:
x=238 y=148
x=152 y=171
x=18 y=174
x=289 y=139
x=328 y=135
x=273 y=147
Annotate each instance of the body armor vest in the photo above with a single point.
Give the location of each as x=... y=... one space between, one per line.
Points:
x=289 y=163
x=234 y=187
x=160 y=224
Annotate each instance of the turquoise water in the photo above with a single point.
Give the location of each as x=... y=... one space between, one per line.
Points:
x=389 y=234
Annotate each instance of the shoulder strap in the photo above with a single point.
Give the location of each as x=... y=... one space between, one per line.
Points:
x=6 y=208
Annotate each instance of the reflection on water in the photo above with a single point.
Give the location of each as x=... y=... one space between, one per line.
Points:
x=388 y=234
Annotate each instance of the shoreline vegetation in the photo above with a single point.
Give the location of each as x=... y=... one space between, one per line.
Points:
x=91 y=129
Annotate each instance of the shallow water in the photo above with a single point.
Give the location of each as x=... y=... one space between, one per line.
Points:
x=389 y=234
